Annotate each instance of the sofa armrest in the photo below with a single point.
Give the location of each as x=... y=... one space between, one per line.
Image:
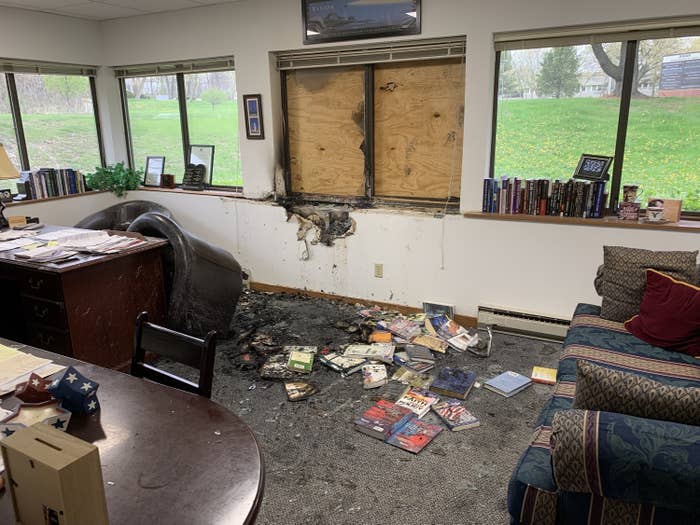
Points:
x=627 y=458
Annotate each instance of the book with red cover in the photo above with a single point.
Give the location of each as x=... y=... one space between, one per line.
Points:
x=382 y=419
x=414 y=435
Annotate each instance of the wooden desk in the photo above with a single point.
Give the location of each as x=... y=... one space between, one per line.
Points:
x=85 y=308
x=167 y=456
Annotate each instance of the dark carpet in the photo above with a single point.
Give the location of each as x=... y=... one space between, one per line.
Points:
x=319 y=470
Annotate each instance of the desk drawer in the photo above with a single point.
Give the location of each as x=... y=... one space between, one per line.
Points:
x=42 y=285
x=50 y=339
x=40 y=311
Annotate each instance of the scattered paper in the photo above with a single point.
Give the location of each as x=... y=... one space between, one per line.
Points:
x=17 y=243
x=65 y=234
x=11 y=235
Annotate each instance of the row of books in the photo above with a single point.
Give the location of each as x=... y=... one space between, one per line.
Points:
x=572 y=198
x=49 y=182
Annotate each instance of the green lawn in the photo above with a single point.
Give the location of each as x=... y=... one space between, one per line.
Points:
x=536 y=138
x=69 y=140
x=544 y=138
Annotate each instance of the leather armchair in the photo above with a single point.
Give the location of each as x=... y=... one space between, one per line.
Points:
x=202 y=282
x=120 y=216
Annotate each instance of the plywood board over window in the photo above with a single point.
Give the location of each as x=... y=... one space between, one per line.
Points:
x=418 y=129
x=325 y=112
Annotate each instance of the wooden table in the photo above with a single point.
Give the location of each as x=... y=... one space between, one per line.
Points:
x=85 y=308
x=167 y=456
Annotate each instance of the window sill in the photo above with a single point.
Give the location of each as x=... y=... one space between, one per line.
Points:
x=215 y=193
x=606 y=222
x=47 y=199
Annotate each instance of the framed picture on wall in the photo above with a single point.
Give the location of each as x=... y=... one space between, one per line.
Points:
x=332 y=21
x=154 y=171
x=252 y=105
x=204 y=155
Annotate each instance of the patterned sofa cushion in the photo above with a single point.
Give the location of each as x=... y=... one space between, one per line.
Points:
x=600 y=388
x=624 y=279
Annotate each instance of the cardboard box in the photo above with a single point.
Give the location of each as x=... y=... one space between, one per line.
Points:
x=54 y=478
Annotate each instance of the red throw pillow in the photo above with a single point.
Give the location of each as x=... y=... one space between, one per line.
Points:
x=669 y=315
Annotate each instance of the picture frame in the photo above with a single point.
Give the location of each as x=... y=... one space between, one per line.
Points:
x=154 y=171
x=593 y=167
x=202 y=154
x=324 y=21
x=252 y=106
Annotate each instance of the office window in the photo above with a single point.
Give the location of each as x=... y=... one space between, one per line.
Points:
x=553 y=105
x=8 y=138
x=662 y=154
x=154 y=122
x=59 y=121
x=388 y=125
x=212 y=115
x=171 y=106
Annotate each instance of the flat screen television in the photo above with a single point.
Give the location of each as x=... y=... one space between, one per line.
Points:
x=336 y=20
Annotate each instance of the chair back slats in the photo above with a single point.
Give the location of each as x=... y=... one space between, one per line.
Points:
x=182 y=348
x=163 y=342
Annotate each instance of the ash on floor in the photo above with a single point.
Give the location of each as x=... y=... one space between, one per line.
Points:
x=319 y=470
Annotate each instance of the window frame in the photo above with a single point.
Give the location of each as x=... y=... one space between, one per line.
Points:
x=19 y=124
x=622 y=125
x=184 y=123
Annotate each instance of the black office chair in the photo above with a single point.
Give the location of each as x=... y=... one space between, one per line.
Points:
x=182 y=348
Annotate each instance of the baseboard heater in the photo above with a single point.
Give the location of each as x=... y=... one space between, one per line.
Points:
x=522 y=323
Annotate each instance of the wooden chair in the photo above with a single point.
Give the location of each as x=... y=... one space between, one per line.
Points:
x=183 y=348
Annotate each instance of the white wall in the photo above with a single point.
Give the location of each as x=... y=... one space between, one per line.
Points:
x=539 y=267
x=31 y=35
x=64 y=212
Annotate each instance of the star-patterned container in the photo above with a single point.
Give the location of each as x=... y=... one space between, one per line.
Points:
x=34 y=390
x=76 y=392
x=26 y=414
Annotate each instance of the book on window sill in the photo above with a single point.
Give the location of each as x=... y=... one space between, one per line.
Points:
x=397 y=426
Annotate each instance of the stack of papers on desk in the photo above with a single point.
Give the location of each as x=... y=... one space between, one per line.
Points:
x=11 y=235
x=66 y=234
x=17 y=243
x=101 y=242
x=46 y=254
x=16 y=367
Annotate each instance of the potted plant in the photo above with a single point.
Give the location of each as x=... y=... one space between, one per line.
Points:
x=117 y=178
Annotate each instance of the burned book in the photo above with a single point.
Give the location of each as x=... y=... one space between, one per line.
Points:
x=345 y=365
x=392 y=391
x=299 y=390
x=374 y=352
x=382 y=419
x=433 y=343
x=419 y=353
x=409 y=377
x=276 y=367
x=374 y=376
x=405 y=328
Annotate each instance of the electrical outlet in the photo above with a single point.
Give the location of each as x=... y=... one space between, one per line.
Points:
x=379 y=270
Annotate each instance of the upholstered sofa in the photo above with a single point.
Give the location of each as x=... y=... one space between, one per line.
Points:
x=621 y=469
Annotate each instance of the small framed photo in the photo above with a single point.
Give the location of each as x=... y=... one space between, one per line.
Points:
x=252 y=105
x=593 y=167
x=154 y=170
x=5 y=195
x=202 y=154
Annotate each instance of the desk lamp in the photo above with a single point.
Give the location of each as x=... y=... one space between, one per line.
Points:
x=7 y=172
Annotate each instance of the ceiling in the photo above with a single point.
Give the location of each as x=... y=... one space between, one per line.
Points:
x=107 y=9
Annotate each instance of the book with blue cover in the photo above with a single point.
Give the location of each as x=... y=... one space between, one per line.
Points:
x=508 y=383
x=453 y=382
